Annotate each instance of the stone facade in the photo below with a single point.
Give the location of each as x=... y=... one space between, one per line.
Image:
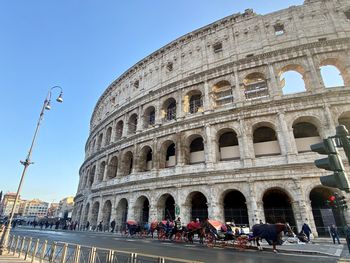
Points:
x=203 y=124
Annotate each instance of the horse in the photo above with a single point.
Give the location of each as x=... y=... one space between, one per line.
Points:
x=272 y=233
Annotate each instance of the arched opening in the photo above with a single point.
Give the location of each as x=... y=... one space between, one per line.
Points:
x=94 y=215
x=324 y=214
x=112 y=168
x=101 y=171
x=292 y=82
x=127 y=163
x=265 y=142
x=121 y=215
x=344 y=119
x=199 y=206
x=235 y=208
x=149 y=117
x=255 y=86
x=145 y=159
x=331 y=76
x=106 y=214
x=108 y=135
x=166 y=207
x=278 y=207
x=195 y=102
x=93 y=145
x=228 y=145
x=141 y=210
x=169 y=109
x=132 y=124
x=197 y=151
x=305 y=134
x=92 y=176
x=99 y=141
x=119 y=130
x=86 y=215
x=222 y=93
x=168 y=154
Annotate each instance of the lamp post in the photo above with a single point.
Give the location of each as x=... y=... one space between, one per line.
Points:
x=26 y=163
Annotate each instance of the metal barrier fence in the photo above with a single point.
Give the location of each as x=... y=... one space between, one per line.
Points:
x=36 y=250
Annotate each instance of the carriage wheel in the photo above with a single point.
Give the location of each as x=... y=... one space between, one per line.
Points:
x=178 y=237
x=161 y=234
x=241 y=243
x=210 y=239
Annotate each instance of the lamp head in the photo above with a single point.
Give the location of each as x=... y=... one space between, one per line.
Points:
x=60 y=99
x=48 y=106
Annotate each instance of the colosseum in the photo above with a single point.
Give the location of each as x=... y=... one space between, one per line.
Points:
x=206 y=126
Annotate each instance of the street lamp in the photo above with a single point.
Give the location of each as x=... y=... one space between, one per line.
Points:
x=26 y=163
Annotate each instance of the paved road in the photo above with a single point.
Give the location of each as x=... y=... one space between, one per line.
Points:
x=167 y=249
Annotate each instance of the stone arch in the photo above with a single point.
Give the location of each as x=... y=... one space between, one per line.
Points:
x=193 y=102
x=296 y=75
x=194 y=153
x=339 y=65
x=146 y=159
x=79 y=216
x=86 y=215
x=94 y=214
x=99 y=141
x=121 y=214
x=119 y=130
x=101 y=171
x=255 y=86
x=167 y=154
x=169 y=109
x=112 y=170
x=132 y=124
x=127 y=163
x=222 y=93
x=235 y=208
x=149 y=117
x=141 y=210
x=108 y=135
x=324 y=214
x=278 y=206
x=227 y=142
x=344 y=119
x=306 y=132
x=92 y=175
x=265 y=140
x=166 y=206
x=199 y=205
x=106 y=214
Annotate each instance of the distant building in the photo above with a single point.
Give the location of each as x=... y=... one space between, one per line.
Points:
x=7 y=204
x=53 y=210
x=65 y=207
x=35 y=208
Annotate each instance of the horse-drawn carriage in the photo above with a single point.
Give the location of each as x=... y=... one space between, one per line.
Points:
x=218 y=233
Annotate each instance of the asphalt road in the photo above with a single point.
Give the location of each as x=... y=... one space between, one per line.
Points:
x=167 y=249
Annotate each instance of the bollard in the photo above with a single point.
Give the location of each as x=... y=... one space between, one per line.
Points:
x=53 y=251
x=76 y=254
x=21 y=246
x=28 y=248
x=35 y=249
x=64 y=253
x=43 y=250
x=16 y=246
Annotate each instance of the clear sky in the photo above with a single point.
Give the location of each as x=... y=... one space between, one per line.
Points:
x=82 y=46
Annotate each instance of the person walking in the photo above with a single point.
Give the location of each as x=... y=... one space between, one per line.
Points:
x=334 y=233
x=112 y=225
x=307 y=230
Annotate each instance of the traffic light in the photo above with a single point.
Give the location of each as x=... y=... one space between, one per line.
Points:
x=331 y=163
x=341 y=201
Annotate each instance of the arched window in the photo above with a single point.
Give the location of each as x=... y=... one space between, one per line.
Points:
x=146 y=157
x=170 y=158
x=197 y=151
x=265 y=142
x=132 y=125
x=195 y=103
x=292 y=79
x=119 y=130
x=128 y=163
x=112 y=168
x=331 y=76
x=149 y=117
x=169 y=109
x=228 y=146
x=101 y=171
x=92 y=176
x=305 y=134
x=99 y=141
x=108 y=135
x=222 y=93
x=255 y=86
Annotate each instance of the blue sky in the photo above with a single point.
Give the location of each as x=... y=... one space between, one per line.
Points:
x=82 y=46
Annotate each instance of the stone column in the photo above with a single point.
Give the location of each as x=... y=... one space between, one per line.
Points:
x=125 y=125
x=207 y=101
x=179 y=150
x=100 y=211
x=281 y=141
x=287 y=135
x=114 y=210
x=238 y=91
x=274 y=89
x=330 y=122
x=155 y=155
x=316 y=82
x=247 y=143
x=309 y=217
x=139 y=120
x=179 y=106
x=158 y=113
x=210 y=146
